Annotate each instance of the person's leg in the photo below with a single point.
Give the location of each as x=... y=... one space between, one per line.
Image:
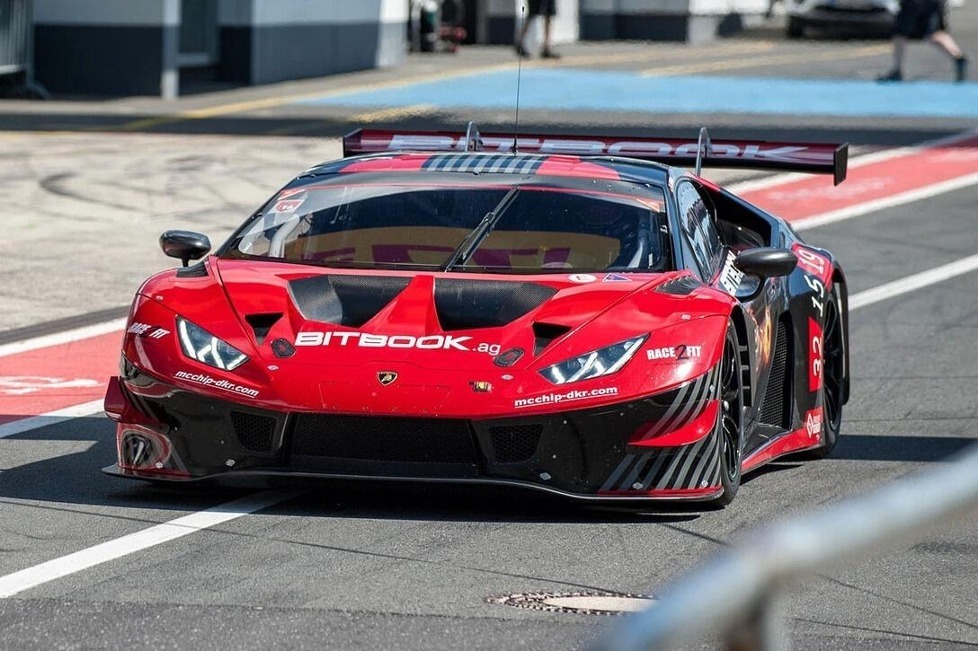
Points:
x=949 y=46
x=548 y=17
x=939 y=36
x=945 y=42
x=899 y=49
x=548 y=52
x=521 y=43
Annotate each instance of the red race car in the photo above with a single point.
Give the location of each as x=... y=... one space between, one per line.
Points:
x=577 y=317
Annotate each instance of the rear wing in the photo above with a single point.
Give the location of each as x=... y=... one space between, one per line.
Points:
x=756 y=154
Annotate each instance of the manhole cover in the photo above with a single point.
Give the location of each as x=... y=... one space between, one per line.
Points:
x=585 y=603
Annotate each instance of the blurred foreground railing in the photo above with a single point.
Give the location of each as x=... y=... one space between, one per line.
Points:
x=732 y=596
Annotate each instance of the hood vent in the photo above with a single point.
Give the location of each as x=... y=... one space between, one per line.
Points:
x=544 y=335
x=262 y=323
x=682 y=286
x=469 y=304
x=345 y=300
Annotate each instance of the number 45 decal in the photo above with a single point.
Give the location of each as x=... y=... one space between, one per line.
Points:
x=818 y=297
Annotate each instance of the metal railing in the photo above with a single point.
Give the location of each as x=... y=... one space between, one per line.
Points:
x=734 y=594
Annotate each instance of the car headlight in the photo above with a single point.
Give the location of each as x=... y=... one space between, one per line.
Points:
x=204 y=347
x=597 y=363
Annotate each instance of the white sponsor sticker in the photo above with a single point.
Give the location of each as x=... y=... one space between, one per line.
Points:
x=206 y=380
x=681 y=351
x=730 y=275
x=813 y=423
x=147 y=330
x=367 y=340
x=567 y=396
x=582 y=278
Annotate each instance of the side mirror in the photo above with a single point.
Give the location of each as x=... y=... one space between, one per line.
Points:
x=766 y=262
x=185 y=245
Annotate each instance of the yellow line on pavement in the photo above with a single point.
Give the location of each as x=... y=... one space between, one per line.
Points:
x=653 y=54
x=757 y=62
x=395 y=113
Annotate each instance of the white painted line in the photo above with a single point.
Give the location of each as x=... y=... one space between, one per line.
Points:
x=51 y=417
x=65 y=337
x=887 y=202
x=110 y=550
x=914 y=282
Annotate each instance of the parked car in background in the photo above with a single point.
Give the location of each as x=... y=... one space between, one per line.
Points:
x=874 y=17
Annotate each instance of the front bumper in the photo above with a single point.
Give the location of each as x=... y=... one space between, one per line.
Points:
x=168 y=434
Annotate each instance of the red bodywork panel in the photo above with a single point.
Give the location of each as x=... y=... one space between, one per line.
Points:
x=438 y=372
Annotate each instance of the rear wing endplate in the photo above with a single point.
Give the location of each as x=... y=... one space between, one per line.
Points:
x=703 y=151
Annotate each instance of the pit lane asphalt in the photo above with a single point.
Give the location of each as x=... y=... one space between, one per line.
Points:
x=357 y=567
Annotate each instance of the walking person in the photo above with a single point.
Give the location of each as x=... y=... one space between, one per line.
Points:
x=919 y=19
x=542 y=8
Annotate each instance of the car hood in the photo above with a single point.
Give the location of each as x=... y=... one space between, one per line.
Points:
x=344 y=317
x=333 y=339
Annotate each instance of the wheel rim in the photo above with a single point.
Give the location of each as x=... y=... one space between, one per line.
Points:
x=832 y=377
x=730 y=405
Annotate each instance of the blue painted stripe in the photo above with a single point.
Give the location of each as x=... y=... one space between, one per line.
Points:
x=556 y=89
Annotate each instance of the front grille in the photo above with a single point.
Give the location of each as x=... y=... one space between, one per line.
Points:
x=774 y=410
x=383 y=438
x=253 y=431
x=515 y=443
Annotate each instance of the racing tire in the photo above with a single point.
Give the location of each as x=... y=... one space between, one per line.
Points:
x=730 y=421
x=832 y=393
x=796 y=28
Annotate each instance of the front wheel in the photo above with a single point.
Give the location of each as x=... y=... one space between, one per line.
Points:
x=730 y=421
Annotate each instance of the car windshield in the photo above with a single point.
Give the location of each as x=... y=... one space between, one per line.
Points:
x=486 y=227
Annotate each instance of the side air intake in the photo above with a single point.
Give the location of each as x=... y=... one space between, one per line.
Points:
x=468 y=304
x=345 y=300
x=774 y=410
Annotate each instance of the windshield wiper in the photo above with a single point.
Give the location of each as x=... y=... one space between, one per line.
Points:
x=472 y=241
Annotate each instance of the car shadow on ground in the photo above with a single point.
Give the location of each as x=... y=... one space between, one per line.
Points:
x=74 y=452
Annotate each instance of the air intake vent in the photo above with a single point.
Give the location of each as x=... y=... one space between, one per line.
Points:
x=545 y=333
x=774 y=410
x=345 y=300
x=262 y=323
x=382 y=438
x=468 y=304
x=680 y=286
x=254 y=432
x=515 y=443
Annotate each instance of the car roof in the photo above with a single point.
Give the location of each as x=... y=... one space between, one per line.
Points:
x=610 y=168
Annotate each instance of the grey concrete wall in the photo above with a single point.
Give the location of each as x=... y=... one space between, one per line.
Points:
x=115 y=47
x=264 y=41
x=130 y=47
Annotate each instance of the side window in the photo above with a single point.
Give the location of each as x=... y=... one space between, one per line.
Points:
x=699 y=233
